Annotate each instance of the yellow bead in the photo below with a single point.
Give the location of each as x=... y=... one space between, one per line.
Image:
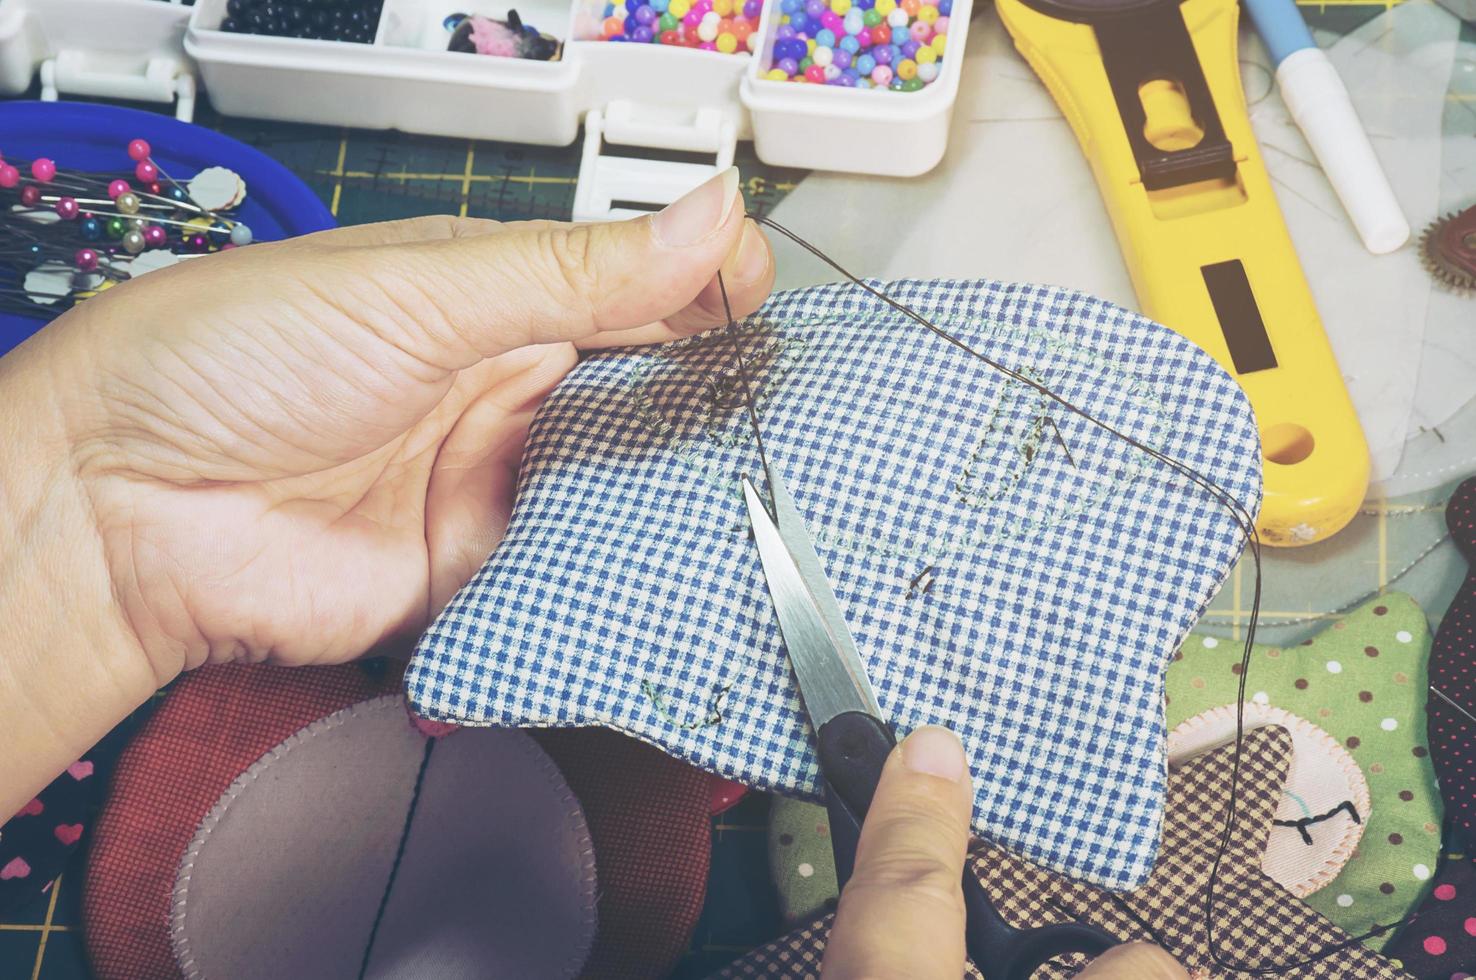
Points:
x=810 y=45
x=926 y=56
x=840 y=6
x=679 y=8
x=723 y=8
x=906 y=69
x=727 y=43
x=885 y=7
x=927 y=14
x=940 y=41
x=776 y=75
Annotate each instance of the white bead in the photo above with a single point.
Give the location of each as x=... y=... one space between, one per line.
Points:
x=831 y=73
x=898 y=18
x=928 y=72
x=822 y=56
x=707 y=31
x=241 y=235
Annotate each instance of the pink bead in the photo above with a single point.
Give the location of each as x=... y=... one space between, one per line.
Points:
x=30 y=195
x=67 y=208
x=920 y=32
x=117 y=187
x=833 y=22
x=146 y=172
x=881 y=75
x=43 y=169
x=9 y=176
x=864 y=38
x=940 y=26
x=155 y=236
x=86 y=259
x=139 y=150
x=707 y=46
x=692 y=18
x=227 y=246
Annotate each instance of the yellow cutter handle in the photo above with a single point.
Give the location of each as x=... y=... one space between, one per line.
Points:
x=1212 y=259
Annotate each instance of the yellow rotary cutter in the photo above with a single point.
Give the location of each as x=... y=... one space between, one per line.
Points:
x=1152 y=90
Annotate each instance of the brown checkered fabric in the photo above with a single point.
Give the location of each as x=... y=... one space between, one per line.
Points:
x=1258 y=923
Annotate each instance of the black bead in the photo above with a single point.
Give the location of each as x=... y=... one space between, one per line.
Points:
x=234 y=8
x=230 y=24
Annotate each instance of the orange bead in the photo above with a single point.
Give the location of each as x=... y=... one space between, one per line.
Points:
x=911 y=6
x=725 y=25
x=613 y=26
x=742 y=29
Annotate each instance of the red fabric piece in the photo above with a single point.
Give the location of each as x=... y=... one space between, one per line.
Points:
x=212 y=725
x=648 y=817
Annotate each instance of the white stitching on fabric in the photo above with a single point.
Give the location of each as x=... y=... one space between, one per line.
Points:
x=178 y=936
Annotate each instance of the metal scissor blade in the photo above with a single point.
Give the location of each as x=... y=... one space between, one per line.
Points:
x=831 y=677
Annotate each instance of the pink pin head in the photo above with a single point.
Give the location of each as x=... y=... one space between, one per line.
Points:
x=139 y=150
x=9 y=176
x=30 y=195
x=155 y=236
x=146 y=172
x=199 y=243
x=43 y=169
x=119 y=186
x=86 y=259
x=155 y=189
x=68 y=209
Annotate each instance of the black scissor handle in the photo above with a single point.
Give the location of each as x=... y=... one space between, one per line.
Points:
x=853 y=747
x=1002 y=952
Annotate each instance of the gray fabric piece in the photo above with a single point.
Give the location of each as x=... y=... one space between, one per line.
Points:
x=285 y=876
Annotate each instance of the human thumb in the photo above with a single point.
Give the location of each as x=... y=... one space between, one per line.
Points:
x=902 y=912
x=481 y=292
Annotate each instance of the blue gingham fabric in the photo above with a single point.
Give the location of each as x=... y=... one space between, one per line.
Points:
x=1008 y=569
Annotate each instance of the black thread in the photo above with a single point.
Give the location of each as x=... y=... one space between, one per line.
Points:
x=430 y=745
x=1249 y=535
x=753 y=420
x=1305 y=822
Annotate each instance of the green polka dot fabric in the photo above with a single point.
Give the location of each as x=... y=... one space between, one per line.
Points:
x=801 y=862
x=1362 y=681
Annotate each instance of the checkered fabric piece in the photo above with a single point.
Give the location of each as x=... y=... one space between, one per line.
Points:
x=1007 y=568
x=1258 y=923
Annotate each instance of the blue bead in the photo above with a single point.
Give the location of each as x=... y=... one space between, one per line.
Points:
x=91 y=229
x=791 y=6
x=617 y=37
x=865 y=64
x=945 y=7
x=34 y=248
x=825 y=38
x=789 y=65
x=631 y=24
x=799 y=22
x=178 y=193
x=863 y=83
x=850 y=44
x=659 y=5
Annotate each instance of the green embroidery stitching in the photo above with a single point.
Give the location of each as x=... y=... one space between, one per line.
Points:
x=712 y=719
x=785 y=352
x=977 y=489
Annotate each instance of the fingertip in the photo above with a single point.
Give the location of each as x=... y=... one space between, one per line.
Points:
x=1134 y=961
x=935 y=751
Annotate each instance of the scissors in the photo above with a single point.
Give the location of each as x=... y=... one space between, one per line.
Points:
x=853 y=741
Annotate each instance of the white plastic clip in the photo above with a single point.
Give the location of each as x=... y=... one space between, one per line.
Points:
x=612 y=186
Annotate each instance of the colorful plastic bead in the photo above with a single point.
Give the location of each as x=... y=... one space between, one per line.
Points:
x=43 y=169
x=86 y=259
x=777 y=74
x=9 y=176
x=146 y=171
x=881 y=75
x=906 y=68
x=815 y=73
x=727 y=43
x=925 y=56
x=30 y=195
x=155 y=236
x=90 y=228
x=139 y=150
x=68 y=209
x=927 y=72
x=115 y=227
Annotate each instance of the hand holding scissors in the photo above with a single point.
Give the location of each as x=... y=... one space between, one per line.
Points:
x=854 y=744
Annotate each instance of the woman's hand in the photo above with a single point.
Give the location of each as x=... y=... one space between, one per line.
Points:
x=902 y=912
x=295 y=452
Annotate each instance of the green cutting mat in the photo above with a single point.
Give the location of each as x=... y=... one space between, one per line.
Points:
x=373 y=176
